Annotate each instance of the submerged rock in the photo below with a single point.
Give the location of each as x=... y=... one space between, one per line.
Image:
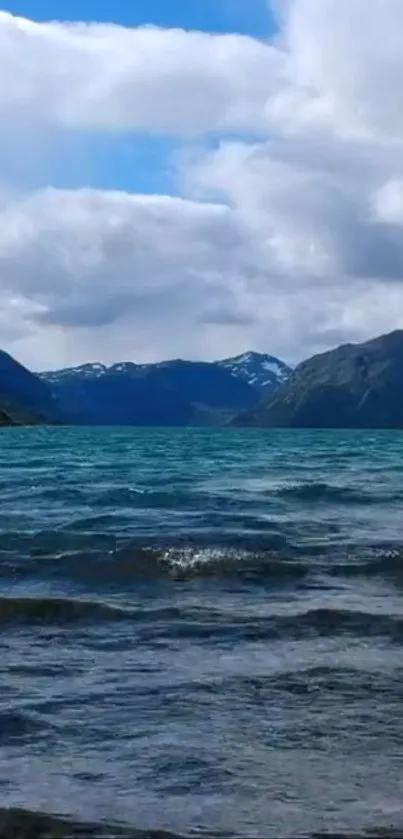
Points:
x=24 y=824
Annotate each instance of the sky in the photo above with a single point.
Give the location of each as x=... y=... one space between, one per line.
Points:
x=197 y=178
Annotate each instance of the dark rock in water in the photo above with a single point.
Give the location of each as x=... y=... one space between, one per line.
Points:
x=23 y=824
x=375 y=833
x=15 y=415
x=353 y=386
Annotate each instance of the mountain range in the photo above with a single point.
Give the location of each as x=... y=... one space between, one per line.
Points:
x=168 y=393
x=352 y=386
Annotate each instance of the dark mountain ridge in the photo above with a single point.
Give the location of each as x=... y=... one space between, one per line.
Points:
x=171 y=393
x=174 y=392
x=24 y=398
x=353 y=386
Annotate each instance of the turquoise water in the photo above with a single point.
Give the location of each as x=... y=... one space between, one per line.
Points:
x=202 y=631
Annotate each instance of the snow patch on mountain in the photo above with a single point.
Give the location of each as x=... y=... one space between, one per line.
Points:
x=83 y=371
x=262 y=371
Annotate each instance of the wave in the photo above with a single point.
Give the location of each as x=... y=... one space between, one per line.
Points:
x=172 y=498
x=124 y=566
x=17 y=725
x=382 y=563
x=324 y=679
x=201 y=622
x=204 y=562
x=264 y=562
x=323 y=622
x=106 y=508
x=98 y=562
x=55 y=610
x=35 y=825
x=330 y=621
x=320 y=491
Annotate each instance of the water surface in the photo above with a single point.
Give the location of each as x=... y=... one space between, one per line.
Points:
x=202 y=631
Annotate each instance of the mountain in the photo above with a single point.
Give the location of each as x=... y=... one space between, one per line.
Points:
x=84 y=371
x=24 y=398
x=263 y=372
x=353 y=386
x=169 y=393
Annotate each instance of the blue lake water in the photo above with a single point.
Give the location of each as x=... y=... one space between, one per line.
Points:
x=202 y=630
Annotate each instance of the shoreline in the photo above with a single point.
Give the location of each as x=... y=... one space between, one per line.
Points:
x=26 y=824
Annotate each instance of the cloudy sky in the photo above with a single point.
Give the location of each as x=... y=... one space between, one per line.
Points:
x=199 y=177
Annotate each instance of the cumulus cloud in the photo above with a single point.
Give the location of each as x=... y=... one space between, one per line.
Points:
x=100 y=275
x=158 y=269
x=345 y=59
x=316 y=214
x=108 y=77
x=334 y=66
x=289 y=242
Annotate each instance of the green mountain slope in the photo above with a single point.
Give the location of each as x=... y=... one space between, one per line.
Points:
x=353 y=386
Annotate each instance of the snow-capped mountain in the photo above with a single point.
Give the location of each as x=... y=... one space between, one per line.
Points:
x=262 y=371
x=173 y=392
x=92 y=371
x=84 y=371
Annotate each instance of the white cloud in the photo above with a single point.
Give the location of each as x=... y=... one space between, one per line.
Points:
x=345 y=61
x=100 y=275
x=318 y=211
x=334 y=67
x=158 y=270
x=104 y=76
x=291 y=243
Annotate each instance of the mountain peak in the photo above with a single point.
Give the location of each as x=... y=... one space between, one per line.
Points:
x=262 y=371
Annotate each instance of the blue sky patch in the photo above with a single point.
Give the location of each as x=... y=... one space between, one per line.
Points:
x=247 y=16
x=141 y=163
